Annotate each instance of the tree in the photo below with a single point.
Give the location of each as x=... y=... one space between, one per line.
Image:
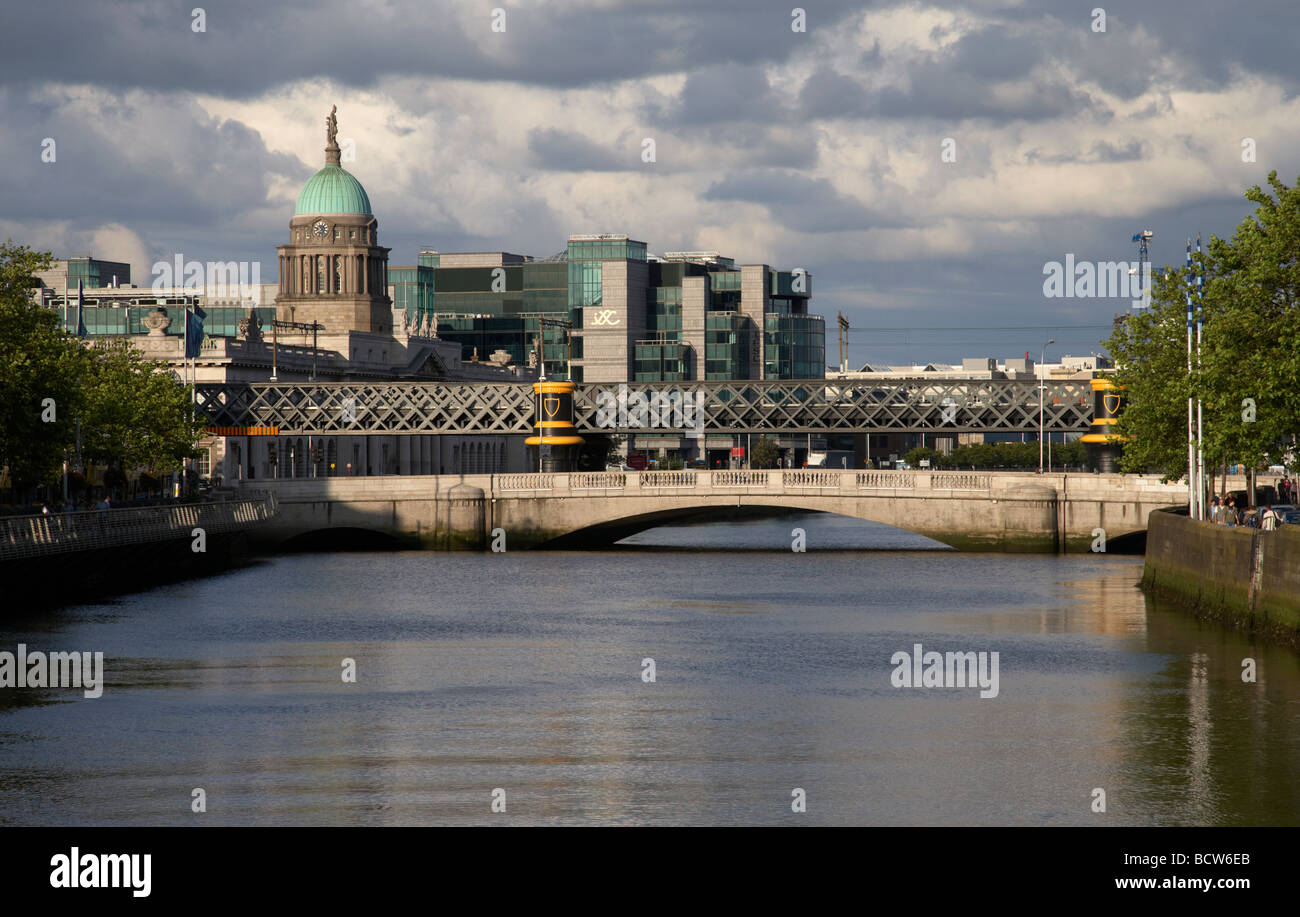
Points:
x=914 y=456
x=1249 y=374
x=764 y=453
x=138 y=415
x=39 y=364
x=1150 y=351
x=1250 y=383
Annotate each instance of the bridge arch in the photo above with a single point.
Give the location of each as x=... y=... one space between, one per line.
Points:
x=608 y=533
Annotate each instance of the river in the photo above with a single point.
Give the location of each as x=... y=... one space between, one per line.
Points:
x=525 y=672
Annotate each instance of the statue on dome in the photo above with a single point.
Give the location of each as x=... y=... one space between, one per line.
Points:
x=332 y=127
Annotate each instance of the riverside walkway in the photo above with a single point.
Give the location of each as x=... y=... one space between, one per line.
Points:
x=28 y=537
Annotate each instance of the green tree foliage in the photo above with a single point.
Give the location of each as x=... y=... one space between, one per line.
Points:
x=134 y=413
x=1251 y=346
x=38 y=361
x=1250 y=350
x=137 y=413
x=764 y=453
x=989 y=456
x=1150 y=351
x=914 y=456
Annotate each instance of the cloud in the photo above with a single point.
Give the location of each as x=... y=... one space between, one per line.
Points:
x=817 y=149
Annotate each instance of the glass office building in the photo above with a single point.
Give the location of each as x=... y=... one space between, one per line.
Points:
x=632 y=316
x=488 y=301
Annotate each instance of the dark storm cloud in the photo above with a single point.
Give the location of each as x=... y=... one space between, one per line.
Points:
x=250 y=46
x=173 y=161
x=567 y=151
x=830 y=94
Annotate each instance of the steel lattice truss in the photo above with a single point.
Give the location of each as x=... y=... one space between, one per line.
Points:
x=378 y=407
x=907 y=405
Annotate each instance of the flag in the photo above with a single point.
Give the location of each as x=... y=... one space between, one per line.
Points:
x=193 y=332
x=81 y=325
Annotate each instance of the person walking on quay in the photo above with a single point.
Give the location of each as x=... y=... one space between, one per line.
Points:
x=1268 y=521
x=1230 y=512
x=1216 y=511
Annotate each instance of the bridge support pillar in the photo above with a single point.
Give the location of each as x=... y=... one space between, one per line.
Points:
x=466 y=527
x=860 y=450
x=1030 y=519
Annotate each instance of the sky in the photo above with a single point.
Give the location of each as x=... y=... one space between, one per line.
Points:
x=923 y=162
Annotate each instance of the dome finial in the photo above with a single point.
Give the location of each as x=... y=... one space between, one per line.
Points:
x=331 y=137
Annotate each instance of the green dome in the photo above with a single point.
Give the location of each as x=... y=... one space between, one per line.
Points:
x=332 y=190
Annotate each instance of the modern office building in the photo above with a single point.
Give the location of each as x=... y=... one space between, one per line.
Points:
x=611 y=312
x=90 y=272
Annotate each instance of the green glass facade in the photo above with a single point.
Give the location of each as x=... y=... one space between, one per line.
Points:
x=485 y=309
x=660 y=361
x=794 y=346
x=218 y=321
x=93 y=273
x=413 y=293
x=726 y=346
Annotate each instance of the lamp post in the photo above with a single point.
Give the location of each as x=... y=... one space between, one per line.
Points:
x=1041 y=357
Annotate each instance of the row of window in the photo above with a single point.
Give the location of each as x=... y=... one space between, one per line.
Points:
x=607 y=248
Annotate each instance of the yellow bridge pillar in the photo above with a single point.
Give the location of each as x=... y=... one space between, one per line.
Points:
x=554 y=434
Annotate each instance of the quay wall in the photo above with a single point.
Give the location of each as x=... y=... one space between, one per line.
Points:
x=1247 y=577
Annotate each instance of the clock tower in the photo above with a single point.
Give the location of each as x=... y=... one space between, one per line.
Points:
x=333 y=271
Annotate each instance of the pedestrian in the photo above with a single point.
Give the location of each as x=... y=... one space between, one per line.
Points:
x=1268 y=522
x=1230 y=512
x=1215 y=511
x=45 y=509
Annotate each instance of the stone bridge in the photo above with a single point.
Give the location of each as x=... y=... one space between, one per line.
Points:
x=993 y=511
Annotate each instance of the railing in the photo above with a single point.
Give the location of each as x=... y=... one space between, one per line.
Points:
x=597 y=480
x=810 y=479
x=668 y=479
x=740 y=479
x=960 y=482
x=57 y=533
x=885 y=480
x=525 y=482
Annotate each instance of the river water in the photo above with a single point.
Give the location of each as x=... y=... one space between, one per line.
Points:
x=523 y=672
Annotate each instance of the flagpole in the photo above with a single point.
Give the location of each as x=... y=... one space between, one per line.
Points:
x=1200 y=318
x=65 y=446
x=1191 y=444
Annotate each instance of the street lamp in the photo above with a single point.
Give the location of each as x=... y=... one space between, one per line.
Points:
x=1041 y=357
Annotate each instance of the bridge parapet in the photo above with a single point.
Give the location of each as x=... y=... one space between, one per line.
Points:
x=597 y=480
x=811 y=478
x=960 y=481
x=739 y=478
x=524 y=482
x=885 y=480
x=652 y=479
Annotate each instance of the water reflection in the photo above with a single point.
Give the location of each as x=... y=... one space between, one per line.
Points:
x=523 y=671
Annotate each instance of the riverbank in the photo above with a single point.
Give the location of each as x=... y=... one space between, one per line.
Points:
x=1245 y=577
